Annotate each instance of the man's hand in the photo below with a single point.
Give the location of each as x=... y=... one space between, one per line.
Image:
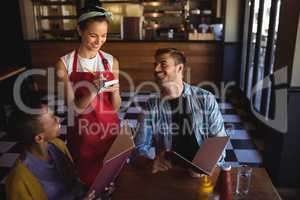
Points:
x=194 y=174
x=160 y=163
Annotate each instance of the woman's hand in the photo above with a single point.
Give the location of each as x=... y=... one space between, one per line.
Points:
x=99 y=81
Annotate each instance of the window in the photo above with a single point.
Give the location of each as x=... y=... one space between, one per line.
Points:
x=259 y=45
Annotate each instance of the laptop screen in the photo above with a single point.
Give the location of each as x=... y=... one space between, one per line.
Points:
x=114 y=160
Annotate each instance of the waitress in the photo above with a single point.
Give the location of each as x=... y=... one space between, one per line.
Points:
x=82 y=71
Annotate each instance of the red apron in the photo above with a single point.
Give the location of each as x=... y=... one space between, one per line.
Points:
x=93 y=132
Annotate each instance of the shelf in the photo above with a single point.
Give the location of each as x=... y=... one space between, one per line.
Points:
x=54 y=3
x=161 y=14
x=60 y=31
x=118 y=1
x=202 y=15
x=58 y=17
x=150 y=27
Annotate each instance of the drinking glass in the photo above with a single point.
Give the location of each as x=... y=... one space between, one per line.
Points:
x=243 y=180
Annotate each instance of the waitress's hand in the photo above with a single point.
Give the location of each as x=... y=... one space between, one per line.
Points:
x=98 y=81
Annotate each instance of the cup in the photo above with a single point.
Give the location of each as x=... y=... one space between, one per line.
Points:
x=217 y=30
x=243 y=180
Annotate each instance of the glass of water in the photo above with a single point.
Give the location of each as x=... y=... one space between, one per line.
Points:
x=243 y=180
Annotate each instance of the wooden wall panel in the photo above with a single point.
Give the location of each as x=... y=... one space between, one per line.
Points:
x=136 y=58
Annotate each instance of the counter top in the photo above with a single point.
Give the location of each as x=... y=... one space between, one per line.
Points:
x=11 y=71
x=137 y=41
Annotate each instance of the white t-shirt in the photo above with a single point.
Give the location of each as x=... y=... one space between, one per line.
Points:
x=87 y=64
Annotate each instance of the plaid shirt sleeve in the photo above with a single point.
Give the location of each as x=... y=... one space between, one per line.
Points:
x=144 y=136
x=216 y=123
x=215 y=119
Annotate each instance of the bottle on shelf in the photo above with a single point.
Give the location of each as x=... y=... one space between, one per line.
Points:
x=203 y=26
x=193 y=33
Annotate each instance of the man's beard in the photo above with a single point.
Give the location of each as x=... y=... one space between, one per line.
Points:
x=159 y=80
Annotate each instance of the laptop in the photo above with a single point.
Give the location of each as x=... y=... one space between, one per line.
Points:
x=206 y=157
x=114 y=160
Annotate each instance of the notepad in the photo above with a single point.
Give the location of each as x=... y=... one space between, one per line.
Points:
x=110 y=83
x=107 y=84
x=206 y=157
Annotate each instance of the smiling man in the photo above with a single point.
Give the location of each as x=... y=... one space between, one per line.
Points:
x=181 y=117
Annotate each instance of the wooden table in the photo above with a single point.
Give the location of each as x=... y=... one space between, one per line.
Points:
x=136 y=183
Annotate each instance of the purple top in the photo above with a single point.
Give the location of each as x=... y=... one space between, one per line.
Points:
x=57 y=176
